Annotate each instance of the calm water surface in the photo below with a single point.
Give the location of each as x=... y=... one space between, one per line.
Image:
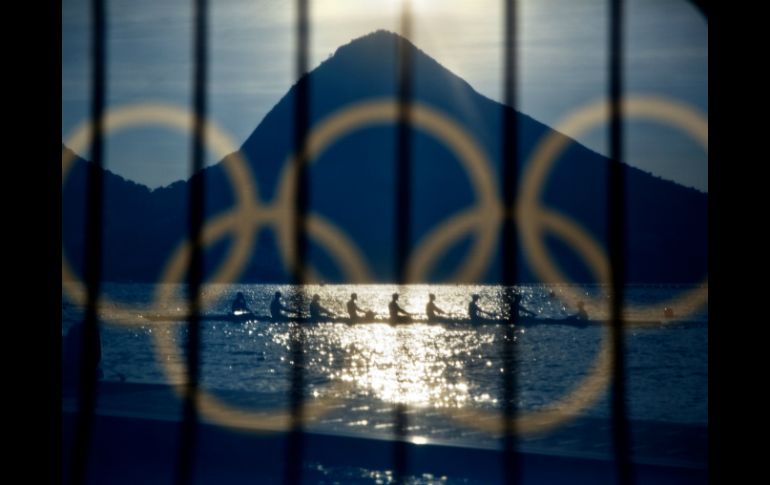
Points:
x=432 y=369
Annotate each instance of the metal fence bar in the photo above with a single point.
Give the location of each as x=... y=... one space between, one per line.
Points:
x=195 y=208
x=403 y=195
x=188 y=433
x=91 y=346
x=295 y=442
x=510 y=141
x=617 y=244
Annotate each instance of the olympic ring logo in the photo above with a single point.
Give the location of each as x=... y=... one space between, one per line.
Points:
x=249 y=215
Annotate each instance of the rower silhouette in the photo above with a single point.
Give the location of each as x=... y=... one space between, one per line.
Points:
x=277 y=310
x=519 y=309
x=353 y=309
x=398 y=314
x=239 y=306
x=475 y=313
x=432 y=310
x=318 y=312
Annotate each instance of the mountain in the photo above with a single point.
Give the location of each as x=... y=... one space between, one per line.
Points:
x=352 y=185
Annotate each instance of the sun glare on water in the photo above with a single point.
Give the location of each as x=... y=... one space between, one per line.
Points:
x=408 y=365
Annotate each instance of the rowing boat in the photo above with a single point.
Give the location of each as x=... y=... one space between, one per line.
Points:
x=255 y=318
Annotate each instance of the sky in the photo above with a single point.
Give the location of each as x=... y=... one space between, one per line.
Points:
x=562 y=66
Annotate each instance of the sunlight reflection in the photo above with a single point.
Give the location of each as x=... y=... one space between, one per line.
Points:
x=416 y=365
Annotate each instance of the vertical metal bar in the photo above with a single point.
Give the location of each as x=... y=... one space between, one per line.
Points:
x=188 y=435
x=403 y=193
x=617 y=244
x=294 y=450
x=510 y=140
x=91 y=347
x=403 y=146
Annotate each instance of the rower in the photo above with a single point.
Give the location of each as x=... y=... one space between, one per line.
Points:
x=277 y=309
x=239 y=306
x=318 y=312
x=432 y=310
x=397 y=314
x=353 y=309
x=519 y=308
x=474 y=312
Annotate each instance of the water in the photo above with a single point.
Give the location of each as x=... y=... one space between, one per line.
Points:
x=438 y=372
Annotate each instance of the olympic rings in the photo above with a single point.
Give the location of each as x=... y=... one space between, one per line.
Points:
x=249 y=215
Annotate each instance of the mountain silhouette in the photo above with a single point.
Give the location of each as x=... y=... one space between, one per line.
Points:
x=352 y=185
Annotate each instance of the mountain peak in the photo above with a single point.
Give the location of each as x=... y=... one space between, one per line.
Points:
x=378 y=43
x=380 y=38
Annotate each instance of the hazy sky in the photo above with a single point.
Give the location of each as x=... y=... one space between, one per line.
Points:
x=563 y=58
